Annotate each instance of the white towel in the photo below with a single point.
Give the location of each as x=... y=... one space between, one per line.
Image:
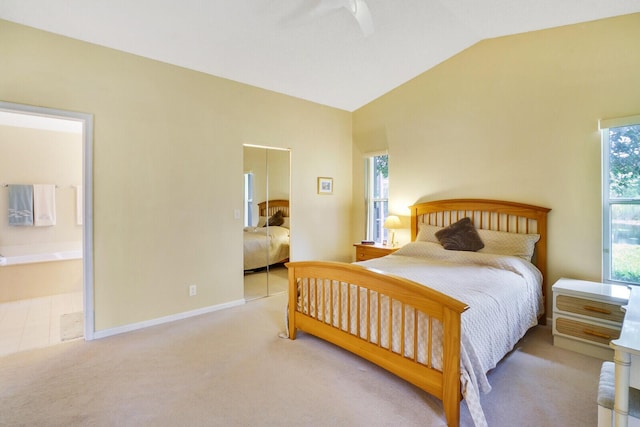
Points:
x=79 y=205
x=44 y=204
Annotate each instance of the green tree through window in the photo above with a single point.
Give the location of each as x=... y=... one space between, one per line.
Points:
x=622 y=204
x=624 y=162
x=377 y=196
x=382 y=165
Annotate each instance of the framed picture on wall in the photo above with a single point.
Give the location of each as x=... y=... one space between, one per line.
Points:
x=325 y=185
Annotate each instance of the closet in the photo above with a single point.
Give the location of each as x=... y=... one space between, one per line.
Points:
x=266 y=220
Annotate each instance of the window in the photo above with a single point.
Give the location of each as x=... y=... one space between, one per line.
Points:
x=248 y=199
x=377 y=195
x=621 y=199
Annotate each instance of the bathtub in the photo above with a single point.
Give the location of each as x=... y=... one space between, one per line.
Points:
x=43 y=252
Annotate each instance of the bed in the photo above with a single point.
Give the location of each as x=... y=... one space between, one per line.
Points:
x=264 y=246
x=423 y=328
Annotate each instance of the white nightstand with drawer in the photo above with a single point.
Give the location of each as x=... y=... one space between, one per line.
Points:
x=587 y=316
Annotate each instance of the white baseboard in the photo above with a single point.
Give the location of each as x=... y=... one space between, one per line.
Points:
x=172 y=318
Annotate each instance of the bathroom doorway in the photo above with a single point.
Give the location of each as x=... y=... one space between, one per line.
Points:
x=46 y=289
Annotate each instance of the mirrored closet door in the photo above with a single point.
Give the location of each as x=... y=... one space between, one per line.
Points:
x=266 y=220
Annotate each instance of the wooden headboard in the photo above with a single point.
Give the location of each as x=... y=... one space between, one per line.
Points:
x=270 y=207
x=485 y=214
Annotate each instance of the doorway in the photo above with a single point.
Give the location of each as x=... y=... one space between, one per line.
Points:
x=53 y=258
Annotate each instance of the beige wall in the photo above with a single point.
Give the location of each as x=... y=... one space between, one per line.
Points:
x=279 y=181
x=168 y=169
x=274 y=163
x=36 y=156
x=512 y=118
x=255 y=161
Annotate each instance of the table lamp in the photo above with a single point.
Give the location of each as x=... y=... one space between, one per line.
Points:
x=391 y=223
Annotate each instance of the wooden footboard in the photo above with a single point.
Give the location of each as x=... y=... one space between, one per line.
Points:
x=393 y=322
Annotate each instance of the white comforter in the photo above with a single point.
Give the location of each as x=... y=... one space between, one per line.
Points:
x=265 y=246
x=503 y=293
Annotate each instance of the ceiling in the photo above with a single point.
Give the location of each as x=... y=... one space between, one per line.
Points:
x=310 y=49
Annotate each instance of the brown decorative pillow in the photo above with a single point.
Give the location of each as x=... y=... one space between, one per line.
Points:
x=460 y=236
x=276 y=219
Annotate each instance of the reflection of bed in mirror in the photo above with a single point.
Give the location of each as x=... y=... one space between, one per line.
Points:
x=268 y=242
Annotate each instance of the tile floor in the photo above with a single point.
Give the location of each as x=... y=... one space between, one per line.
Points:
x=33 y=323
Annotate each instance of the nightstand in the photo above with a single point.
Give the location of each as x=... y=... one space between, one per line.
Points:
x=587 y=316
x=365 y=252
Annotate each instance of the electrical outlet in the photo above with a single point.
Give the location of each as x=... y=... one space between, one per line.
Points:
x=193 y=290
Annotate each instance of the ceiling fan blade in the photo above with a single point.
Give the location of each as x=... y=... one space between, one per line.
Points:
x=308 y=10
x=362 y=14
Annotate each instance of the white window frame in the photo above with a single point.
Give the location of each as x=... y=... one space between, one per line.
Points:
x=370 y=200
x=248 y=199
x=607 y=202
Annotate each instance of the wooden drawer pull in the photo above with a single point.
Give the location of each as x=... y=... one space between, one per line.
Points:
x=597 y=334
x=596 y=309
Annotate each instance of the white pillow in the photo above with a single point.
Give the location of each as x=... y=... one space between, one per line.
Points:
x=503 y=243
x=495 y=242
x=427 y=233
x=285 y=224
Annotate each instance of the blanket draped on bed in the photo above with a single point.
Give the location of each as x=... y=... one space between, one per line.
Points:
x=265 y=246
x=503 y=293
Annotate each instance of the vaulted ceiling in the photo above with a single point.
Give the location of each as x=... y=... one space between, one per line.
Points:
x=310 y=49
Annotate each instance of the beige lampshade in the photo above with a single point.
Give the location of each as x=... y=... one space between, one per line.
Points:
x=392 y=222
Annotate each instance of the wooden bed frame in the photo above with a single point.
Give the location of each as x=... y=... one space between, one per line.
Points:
x=328 y=281
x=270 y=207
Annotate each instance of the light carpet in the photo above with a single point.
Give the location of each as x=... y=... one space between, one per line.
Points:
x=230 y=368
